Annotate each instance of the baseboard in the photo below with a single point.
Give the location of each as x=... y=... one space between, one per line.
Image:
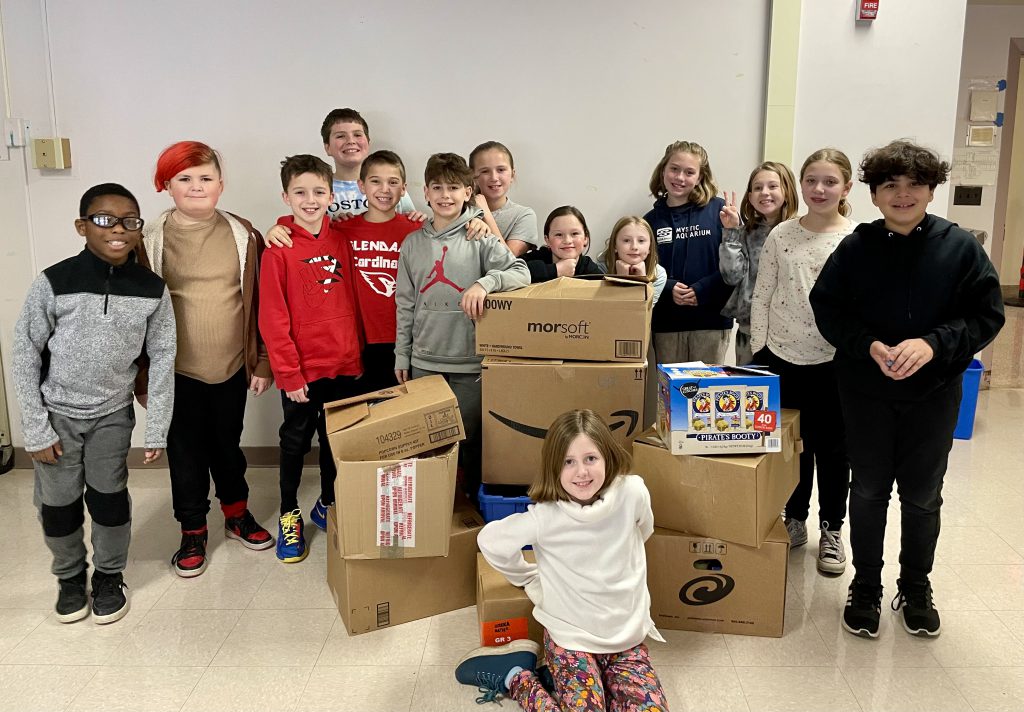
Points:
x=255 y=456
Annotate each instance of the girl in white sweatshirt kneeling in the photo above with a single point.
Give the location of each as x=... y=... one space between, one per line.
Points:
x=589 y=585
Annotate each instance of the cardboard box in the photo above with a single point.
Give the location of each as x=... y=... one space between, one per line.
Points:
x=521 y=398
x=713 y=410
x=735 y=497
x=378 y=594
x=604 y=319
x=504 y=611
x=396 y=509
x=395 y=422
x=713 y=586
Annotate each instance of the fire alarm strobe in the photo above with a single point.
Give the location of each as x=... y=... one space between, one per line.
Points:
x=867 y=9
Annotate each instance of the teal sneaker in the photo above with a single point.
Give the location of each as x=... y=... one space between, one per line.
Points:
x=487 y=668
x=291 y=542
x=318 y=515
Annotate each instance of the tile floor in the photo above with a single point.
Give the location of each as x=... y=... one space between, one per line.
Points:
x=252 y=634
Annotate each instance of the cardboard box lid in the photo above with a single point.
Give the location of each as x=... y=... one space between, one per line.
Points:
x=387 y=402
x=591 y=287
x=777 y=535
x=498 y=361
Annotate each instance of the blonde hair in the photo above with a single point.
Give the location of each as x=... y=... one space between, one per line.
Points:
x=838 y=159
x=547 y=487
x=791 y=199
x=609 y=255
x=706 y=188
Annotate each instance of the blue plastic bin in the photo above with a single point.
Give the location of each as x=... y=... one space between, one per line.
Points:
x=494 y=506
x=969 y=400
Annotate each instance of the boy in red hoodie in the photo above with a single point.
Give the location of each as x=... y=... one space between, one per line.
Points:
x=310 y=324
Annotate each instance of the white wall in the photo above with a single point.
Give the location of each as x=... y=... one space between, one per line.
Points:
x=986 y=48
x=587 y=95
x=861 y=86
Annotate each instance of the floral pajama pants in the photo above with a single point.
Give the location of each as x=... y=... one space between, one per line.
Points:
x=589 y=682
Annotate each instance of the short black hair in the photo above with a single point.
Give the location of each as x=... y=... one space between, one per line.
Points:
x=98 y=191
x=903 y=158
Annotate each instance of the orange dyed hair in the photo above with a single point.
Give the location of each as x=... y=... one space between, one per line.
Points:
x=181 y=156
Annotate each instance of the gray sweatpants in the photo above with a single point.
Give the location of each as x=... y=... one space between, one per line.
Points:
x=93 y=464
x=707 y=345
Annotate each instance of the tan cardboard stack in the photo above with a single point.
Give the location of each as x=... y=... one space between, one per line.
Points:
x=552 y=347
x=400 y=545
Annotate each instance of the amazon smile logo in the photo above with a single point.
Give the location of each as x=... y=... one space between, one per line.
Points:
x=626 y=419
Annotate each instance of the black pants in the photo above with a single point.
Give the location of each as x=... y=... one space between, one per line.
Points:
x=378 y=368
x=907 y=443
x=301 y=420
x=813 y=391
x=202 y=442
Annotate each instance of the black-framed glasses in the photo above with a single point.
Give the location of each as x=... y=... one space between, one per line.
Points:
x=104 y=220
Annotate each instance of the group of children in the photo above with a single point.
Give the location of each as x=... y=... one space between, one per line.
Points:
x=869 y=328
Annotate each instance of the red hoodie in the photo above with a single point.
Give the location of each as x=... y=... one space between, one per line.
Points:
x=308 y=315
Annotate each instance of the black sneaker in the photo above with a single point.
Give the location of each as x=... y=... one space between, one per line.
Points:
x=863 y=609
x=915 y=600
x=72 y=603
x=190 y=558
x=109 y=603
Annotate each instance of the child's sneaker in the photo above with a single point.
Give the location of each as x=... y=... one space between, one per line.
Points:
x=291 y=542
x=831 y=554
x=318 y=515
x=190 y=558
x=248 y=532
x=489 y=668
x=797 y=531
x=914 y=599
x=863 y=608
x=109 y=603
x=72 y=603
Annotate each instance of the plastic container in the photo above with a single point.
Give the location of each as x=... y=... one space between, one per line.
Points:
x=494 y=506
x=969 y=400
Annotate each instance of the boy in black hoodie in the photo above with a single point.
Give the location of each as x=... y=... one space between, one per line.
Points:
x=907 y=301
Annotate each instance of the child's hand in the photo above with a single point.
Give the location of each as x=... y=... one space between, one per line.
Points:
x=476 y=229
x=298 y=396
x=152 y=455
x=416 y=216
x=623 y=267
x=565 y=268
x=402 y=374
x=472 y=301
x=908 y=357
x=278 y=236
x=638 y=270
x=48 y=455
x=343 y=216
x=880 y=354
x=683 y=295
x=729 y=215
x=258 y=385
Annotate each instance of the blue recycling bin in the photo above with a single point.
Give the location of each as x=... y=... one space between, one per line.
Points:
x=969 y=400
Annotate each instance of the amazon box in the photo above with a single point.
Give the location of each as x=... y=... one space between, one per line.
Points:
x=504 y=611
x=521 y=398
x=379 y=593
x=716 y=586
x=732 y=497
x=601 y=319
x=717 y=410
x=396 y=509
x=395 y=422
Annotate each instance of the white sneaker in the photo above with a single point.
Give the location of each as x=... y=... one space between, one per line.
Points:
x=831 y=554
x=797 y=531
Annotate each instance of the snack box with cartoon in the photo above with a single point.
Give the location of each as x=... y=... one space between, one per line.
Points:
x=712 y=410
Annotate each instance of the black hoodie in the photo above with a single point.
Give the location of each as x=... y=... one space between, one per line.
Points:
x=541 y=263
x=936 y=284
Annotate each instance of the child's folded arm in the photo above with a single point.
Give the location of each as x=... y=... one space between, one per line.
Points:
x=830 y=300
x=31 y=333
x=161 y=347
x=503 y=271
x=982 y=302
x=502 y=541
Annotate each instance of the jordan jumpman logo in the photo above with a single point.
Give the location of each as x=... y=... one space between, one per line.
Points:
x=437 y=274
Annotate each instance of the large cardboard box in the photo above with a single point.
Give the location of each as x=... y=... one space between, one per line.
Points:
x=734 y=497
x=504 y=611
x=714 y=586
x=378 y=594
x=395 y=422
x=717 y=410
x=521 y=398
x=604 y=319
x=396 y=509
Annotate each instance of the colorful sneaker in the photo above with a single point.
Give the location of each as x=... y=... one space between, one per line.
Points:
x=831 y=554
x=248 y=532
x=487 y=668
x=318 y=515
x=190 y=559
x=797 y=530
x=109 y=603
x=863 y=609
x=915 y=601
x=291 y=542
x=72 y=603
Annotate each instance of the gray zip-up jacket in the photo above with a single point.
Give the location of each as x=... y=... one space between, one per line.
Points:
x=434 y=269
x=84 y=325
x=738 y=259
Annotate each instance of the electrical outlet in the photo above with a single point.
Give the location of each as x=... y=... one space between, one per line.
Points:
x=967 y=195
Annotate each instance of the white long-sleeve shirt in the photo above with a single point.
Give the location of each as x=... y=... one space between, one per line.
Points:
x=780 y=308
x=589 y=585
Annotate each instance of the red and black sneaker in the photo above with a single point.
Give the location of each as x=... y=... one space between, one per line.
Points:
x=248 y=532
x=190 y=559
